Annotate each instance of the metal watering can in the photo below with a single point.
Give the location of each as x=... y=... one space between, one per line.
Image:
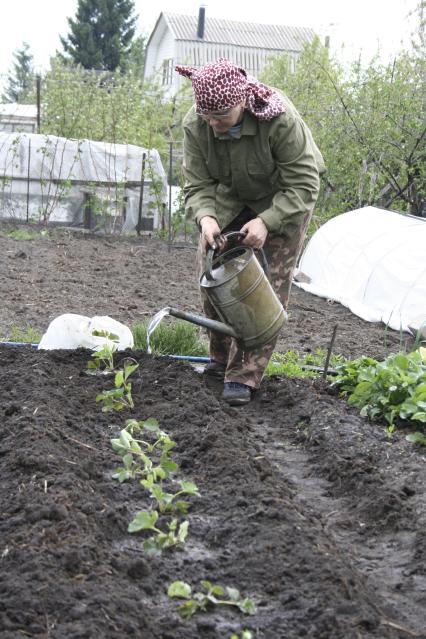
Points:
x=237 y=286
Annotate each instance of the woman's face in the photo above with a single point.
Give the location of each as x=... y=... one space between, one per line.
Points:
x=221 y=121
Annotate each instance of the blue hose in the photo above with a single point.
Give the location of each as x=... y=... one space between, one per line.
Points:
x=188 y=358
x=18 y=344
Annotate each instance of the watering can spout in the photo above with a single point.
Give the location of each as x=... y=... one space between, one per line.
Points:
x=206 y=322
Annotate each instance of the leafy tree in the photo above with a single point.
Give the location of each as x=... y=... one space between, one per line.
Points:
x=21 y=79
x=136 y=59
x=368 y=122
x=119 y=108
x=101 y=34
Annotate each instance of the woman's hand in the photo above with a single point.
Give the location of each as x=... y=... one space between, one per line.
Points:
x=256 y=233
x=210 y=233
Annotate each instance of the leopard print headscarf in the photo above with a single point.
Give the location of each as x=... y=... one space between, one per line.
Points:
x=221 y=85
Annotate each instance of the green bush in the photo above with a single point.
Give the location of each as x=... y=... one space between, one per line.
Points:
x=394 y=388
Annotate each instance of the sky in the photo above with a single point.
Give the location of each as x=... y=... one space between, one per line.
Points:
x=362 y=26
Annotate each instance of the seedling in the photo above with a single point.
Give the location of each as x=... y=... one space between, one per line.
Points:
x=166 y=501
x=121 y=396
x=246 y=634
x=200 y=601
x=129 y=448
x=103 y=359
x=389 y=430
x=146 y=520
x=136 y=461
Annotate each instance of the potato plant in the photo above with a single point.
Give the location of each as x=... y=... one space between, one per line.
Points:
x=147 y=458
x=213 y=595
x=121 y=396
x=153 y=546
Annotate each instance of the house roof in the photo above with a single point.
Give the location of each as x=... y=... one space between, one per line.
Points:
x=18 y=110
x=243 y=34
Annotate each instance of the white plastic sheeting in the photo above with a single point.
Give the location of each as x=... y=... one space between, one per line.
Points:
x=374 y=262
x=71 y=331
x=47 y=176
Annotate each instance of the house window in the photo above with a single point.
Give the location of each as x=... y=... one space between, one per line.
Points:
x=167 y=71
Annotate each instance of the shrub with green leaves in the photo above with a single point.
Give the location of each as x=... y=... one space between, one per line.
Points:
x=390 y=390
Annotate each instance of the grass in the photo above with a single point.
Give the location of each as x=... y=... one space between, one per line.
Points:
x=22 y=234
x=292 y=363
x=28 y=335
x=177 y=338
x=183 y=338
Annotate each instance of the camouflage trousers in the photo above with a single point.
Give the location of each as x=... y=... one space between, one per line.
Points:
x=247 y=367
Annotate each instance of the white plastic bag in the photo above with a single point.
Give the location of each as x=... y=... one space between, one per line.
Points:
x=71 y=331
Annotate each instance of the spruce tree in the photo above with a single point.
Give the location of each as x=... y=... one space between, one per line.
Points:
x=101 y=34
x=21 y=78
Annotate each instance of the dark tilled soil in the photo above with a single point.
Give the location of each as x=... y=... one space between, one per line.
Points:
x=304 y=506
x=132 y=279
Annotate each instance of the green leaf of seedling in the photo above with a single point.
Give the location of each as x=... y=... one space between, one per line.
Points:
x=144 y=520
x=122 y=475
x=128 y=461
x=102 y=332
x=247 y=606
x=148 y=483
x=119 y=379
x=121 y=445
x=133 y=426
x=125 y=438
x=159 y=473
x=134 y=447
x=215 y=590
x=182 y=506
x=151 y=424
x=129 y=369
x=168 y=465
x=117 y=446
x=189 y=608
x=128 y=395
x=179 y=589
x=151 y=548
x=189 y=488
x=416 y=438
x=233 y=593
x=183 y=532
x=167 y=445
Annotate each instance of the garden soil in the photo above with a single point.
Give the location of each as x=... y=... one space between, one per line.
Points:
x=308 y=509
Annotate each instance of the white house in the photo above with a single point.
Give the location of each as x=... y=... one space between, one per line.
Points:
x=181 y=39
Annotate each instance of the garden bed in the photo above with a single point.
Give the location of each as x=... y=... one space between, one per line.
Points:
x=309 y=510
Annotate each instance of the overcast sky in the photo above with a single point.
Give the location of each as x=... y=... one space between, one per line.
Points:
x=361 y=25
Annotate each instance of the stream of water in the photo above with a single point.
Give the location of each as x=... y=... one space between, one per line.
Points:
x=153 y=325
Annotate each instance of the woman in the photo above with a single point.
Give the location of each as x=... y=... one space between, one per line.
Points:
x=251 y=165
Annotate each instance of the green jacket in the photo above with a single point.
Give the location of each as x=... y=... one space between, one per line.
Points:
x=273 y=167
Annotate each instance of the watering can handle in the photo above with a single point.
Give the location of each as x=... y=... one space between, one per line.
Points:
x=211 y=251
